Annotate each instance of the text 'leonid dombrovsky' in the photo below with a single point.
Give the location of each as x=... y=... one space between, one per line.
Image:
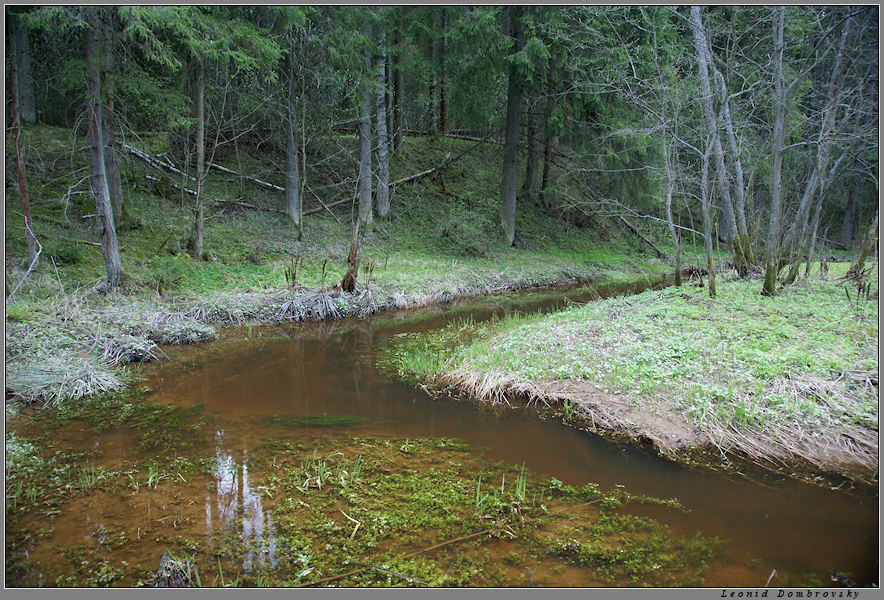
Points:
x=790 y=594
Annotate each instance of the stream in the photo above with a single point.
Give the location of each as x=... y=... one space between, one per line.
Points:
x=253 y=378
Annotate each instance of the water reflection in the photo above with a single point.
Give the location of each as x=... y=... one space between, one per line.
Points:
x=237 y=509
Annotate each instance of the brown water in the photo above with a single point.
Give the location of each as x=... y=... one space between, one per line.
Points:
x=330 y=369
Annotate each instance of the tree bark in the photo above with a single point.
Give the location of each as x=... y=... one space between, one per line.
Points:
x=197 y=238
x=22 y=64
x=529 y=186
x=382 y=197
x=111 y=164
x=824 y=149
x=545 y=193
x=670 y=184
x=708 y=232
x=365 y=209
x=870 y=243
x=776 y=180
x=292 y=183
x=398 y=131
x=850 y=214
x=15 y=109
x=728 y=225
x=443 y=88
x=110 y=248
x=511 y=142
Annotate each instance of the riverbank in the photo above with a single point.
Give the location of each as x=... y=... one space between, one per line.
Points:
x=788 y=383
x=66 y=338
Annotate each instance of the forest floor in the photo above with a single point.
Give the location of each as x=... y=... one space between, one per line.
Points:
x=789 y=383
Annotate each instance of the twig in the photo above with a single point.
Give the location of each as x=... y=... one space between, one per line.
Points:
x=31 y=267
x=321 y=202
x=405 y=577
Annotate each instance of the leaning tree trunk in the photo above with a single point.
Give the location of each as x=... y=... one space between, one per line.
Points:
x=728 y=228
x=15 y=108
x=365 y=212
x=870 y=243
x=776 y=179
x=509 y=183
x=196 y=244
x=382 y=197
x=110 y=248
x=824 y=151
x=292 y=183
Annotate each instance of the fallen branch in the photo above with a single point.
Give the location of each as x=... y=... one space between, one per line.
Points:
x=245 y=205
x=31 y=267
x=155 y=162
x=327 y=206
x=631 y=227
x=172 y=185
x=416 y=176
x=254 y=180
x=322 y=203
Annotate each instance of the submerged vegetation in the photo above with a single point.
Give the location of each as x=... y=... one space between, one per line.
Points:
x=342 y=511
x=782 y=382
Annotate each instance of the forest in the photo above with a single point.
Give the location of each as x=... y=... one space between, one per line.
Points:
x=655 y=224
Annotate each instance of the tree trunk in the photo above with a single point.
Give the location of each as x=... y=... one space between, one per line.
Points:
x=22 y=64
x=365 y=212
x=196 y=245
x=388 y=101
x=670 y=184
x=545 y=194
x=530 y=183
x=824 y=150
x=15 y=108
x=850 y=214
x=443 y=87
x=870 y=243
x=382 y=197
x=728 y=226
x=111 y=164
x=434 y=106
x=397 y=96
x=292 y=183
x=739 y=183
x=708 y=232
x=776 y=180
x=509 y=183
x=110 y=248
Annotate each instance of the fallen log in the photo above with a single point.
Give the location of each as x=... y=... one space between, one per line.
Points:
x=254 y=180
x=155 y=162
x=327 y=206
x=242 y=204
x=173 y=185
x=309 y=189
x=416 y=176
x=637 y=233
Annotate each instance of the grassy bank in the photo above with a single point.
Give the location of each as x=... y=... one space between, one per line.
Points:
x=787 y=382
x=65 y=338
